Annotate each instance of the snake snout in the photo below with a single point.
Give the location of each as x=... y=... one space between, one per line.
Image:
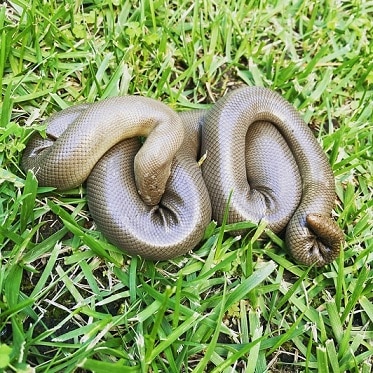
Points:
x=151 y=178
x=151 y=188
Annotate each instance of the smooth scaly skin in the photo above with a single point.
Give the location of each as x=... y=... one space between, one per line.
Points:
x=285 y=167
x=164 y=231
x=226 y=124
x=89 y=140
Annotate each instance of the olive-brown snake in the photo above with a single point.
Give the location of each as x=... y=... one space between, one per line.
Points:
x=256 y=146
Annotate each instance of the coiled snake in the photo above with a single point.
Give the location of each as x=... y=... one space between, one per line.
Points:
x=154 y=201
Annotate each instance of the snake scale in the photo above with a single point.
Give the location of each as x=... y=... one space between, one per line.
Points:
x=154 y=200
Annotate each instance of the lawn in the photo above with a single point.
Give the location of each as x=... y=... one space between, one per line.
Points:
x=72 y=302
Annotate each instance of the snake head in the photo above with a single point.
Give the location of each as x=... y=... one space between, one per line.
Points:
x=151 y=183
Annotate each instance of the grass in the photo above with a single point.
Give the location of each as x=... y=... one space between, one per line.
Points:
x=70 y=301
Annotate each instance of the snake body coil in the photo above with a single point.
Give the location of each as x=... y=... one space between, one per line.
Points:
x=153 y=201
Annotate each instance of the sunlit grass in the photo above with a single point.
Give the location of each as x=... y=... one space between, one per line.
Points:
x=70 y=301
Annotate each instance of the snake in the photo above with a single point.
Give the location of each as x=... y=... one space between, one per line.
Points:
x=153 y=198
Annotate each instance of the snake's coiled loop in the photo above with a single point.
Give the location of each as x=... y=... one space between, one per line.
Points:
x=98 y=141
x=286 y=175
x=153 y=201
